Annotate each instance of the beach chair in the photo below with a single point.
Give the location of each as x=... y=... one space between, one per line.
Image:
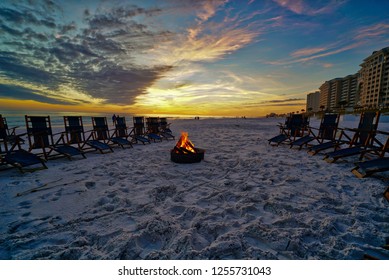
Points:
x=164 y=129
x=138 y=132
x=8 y=137
x=164 y=125
x=326 y=131
x=341 y=137
x=121 y=133
x=369 y=167
x=152 y=130
x=40 y=136
x=363 y=140
x=100 y=127
x=21 y=159
x=75 y=134
x=12 y=154
x=295 y=126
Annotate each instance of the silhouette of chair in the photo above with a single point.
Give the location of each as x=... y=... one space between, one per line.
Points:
x=362 y=141
x=369 y=167
x=138 y=132
x=22 y=159
x=75 y=134
x=7 y=135
x=164 y=129
x=9 y=155
x=295 y=126
x=120 y=135
x=101 y=130
x=40 y=136
x=152 y=130
x=326 y=131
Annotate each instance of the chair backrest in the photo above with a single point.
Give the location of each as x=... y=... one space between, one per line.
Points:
x=3 y=133
x=100 y=126
x=121 y=127
x=39 y=131
x=139 y=125
x=368 y=123
x=3 y=128
x=295 y=124
x=74 y=129
x=163 y=123
x=328 y=126
x=153 y=125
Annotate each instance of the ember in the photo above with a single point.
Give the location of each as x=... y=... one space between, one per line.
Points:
x=185 y=151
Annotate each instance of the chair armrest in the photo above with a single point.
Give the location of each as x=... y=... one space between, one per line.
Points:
x=383 y=132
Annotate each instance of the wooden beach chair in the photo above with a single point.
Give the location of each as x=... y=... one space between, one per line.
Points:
x=295 y=126
x=101 y=132
x=138 y=132
x=121 y=134
x=363 y=140
x=342 y=137
x=326 y=131
x=40 y=136
x=8 y=137
x=12 y=154
x=164 y=129
x=22 y=159
x=369 y=167
x=75 y=134
x=152 y=130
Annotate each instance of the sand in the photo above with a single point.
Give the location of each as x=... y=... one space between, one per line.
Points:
x=245 y=200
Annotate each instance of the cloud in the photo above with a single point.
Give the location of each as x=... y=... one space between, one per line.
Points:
x=311 y=8
x=23 y=93
x=353 y=39
x=208 y=40
x=93 y=59
x=373 y=31
x=289 y=102
x=308 y=52
x=25 y=16
x=306 y=55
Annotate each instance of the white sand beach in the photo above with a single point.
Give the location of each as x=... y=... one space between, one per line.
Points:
x=245 y=200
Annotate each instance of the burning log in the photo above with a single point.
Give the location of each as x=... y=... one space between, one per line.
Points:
x=182 y=150
x=185 y=151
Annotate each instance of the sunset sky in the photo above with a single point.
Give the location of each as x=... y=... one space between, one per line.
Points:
x=222 y=58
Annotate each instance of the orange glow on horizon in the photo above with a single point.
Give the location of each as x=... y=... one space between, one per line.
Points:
x=210 y=109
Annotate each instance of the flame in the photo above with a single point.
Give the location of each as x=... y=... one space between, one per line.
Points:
x=185 y=143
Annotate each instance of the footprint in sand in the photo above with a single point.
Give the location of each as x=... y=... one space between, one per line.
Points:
x=25 y=204
x=90 y=185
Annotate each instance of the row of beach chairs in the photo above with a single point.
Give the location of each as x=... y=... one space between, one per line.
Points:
x=365 y=142
x=74 y=140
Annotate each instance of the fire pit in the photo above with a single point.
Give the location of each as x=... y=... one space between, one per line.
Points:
x=185 y=152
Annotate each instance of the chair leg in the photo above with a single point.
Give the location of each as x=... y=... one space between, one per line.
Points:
x=386 y=194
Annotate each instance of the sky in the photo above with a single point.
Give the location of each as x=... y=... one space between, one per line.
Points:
x=181 y=57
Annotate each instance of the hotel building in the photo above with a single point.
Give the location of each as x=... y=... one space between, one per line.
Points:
x=313 y=102
x=330 y=94
x=374 y=80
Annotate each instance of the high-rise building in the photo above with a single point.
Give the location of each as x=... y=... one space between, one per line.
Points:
x=349 y=92
x=374 y=80
x=313 y=102
x=325 y=93
x=330 y=93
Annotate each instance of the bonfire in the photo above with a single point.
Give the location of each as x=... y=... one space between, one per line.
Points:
x=185 y=151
